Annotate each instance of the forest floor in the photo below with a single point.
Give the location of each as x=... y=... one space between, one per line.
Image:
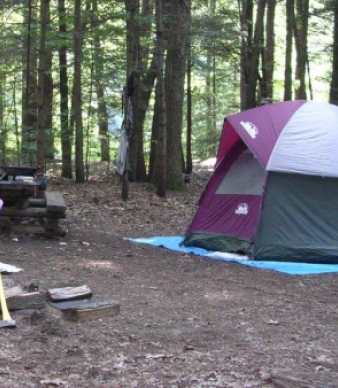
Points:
x=184 y=321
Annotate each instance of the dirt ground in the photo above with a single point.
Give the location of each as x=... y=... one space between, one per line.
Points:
x=185 y=321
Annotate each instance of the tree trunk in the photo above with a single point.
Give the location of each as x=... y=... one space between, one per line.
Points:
x=133 y=80
x=334 y=76
x=188 y=161
x=3 y=134
x=131 y=7
x=212 y=134
x=174 y=88
x=66 y=148
x=40 y=157
x=79 y=166
x=301 y=31
x=152 y=177
x=246 y=21
x=288 y=50
x=141 y=78
x=29 y=86
x=253 y=57
x=48 y=93
x=160 y=96
x=268 y=60
x=100 y=87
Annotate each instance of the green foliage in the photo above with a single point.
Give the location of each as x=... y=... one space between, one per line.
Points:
x=215 y=47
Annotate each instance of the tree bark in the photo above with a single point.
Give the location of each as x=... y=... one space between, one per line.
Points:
x=253 y=56
x=48 y=93
x=246 y=21
x=300 y=32
x=188 y=158
x=212 y=133
x=66 y=148
x=161 y=148
x=133 y=81
x=334 y=76
x=79 y=165
x=29 y=86
x=3 y=132
x=268 y=60
x=40 y=157
x=174 y=88
x=99 y=85
x=288 y=91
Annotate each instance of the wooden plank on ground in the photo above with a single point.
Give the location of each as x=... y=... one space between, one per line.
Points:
x=298 y=379
x=69 y=293
x=27 y=300
x=55 y=201
x=82 y=310
x=12 y=291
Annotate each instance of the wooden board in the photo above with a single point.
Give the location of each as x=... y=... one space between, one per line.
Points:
x=37 y=202
x=28 y=300
x=69 y=293
x=55 y=201
x=31 y=212
x=12 y=291
x=82 y=310
x=37 y=229
x=299 y=379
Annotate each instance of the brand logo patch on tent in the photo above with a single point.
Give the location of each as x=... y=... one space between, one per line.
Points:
x=250 y=128
x=242 y=208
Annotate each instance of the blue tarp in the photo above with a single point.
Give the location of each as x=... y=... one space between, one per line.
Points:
x=173 y=243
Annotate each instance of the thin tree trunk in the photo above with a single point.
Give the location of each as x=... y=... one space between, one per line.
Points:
x=79 y=165
x=288 y=50
x=40 y=158
x=98 y=70
x=253 y=61
x=29 y=87
x=48 y=93
x=154 y=140
x=301 y=31
x=2 y=126
x=246 y=21
x=160 y=96
x=133 y=47
x=16 y=125
x=188 y=162
x=66 y=147
x=174 y=89
x=334 y=76
x=268 y=61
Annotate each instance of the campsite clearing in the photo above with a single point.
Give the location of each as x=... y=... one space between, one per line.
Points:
x=184 y=321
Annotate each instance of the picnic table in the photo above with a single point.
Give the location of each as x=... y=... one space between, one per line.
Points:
x=24 y=195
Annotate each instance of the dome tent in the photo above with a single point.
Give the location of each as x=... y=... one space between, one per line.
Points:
x=274 y=192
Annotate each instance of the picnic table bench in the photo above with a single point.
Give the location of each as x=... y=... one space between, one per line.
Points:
x=49 y=210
